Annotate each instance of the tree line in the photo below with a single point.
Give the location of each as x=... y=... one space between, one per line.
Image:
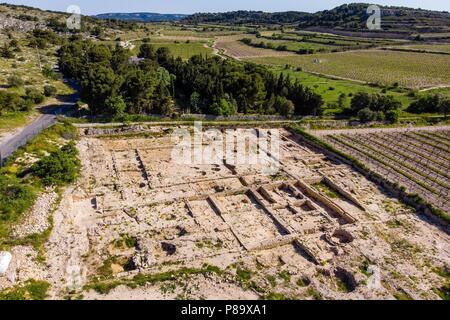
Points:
x=114 y=83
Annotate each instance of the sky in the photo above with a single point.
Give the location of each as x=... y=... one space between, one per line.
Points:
x=90 y=7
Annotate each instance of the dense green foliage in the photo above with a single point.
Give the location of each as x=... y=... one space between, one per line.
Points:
x=430 y=104
x=374 y=107
x=113 y=84
x=106 y=73
x=60 y=167
x=15 y=197
x=247 y=17
x=31 y=290
x=247 y=88
x=19 y=186
x=11 y=101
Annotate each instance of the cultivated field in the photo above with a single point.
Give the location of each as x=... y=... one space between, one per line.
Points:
x=418 y=159
x=232 y=47
x=426 y=47
x=409 y=69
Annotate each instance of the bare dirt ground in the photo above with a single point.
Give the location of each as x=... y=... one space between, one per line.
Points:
x=139 y=225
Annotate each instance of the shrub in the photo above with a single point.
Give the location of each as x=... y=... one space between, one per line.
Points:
x=222 y=108
x=34 y=95
x=392 y=116
x=50 y=91
x=31 y=290
x=9 y=101
x=60 y=167
x=367 y=115
x=429 y=103
x=116 y=106
x=6 y=52
x=15 y=198
x=15 y=81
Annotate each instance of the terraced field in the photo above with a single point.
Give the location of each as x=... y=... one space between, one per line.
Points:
x=409 y=69
x=418 y=159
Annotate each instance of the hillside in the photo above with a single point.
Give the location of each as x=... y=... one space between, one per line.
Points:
x=248 y=17
x=350 y=18
x=353 y=17
x=24 y=19
x=142 y=16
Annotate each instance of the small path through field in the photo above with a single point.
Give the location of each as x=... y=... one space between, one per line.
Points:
x=443 y=86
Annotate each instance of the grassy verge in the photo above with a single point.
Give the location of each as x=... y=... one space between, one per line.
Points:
x=31 y=290
x=21 y=181
x=105 y=286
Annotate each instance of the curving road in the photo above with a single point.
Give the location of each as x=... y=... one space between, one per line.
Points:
x=48 y=118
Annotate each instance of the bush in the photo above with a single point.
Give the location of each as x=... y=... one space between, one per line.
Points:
x=49 y=73
x=378 y=105
x=50 y=91
x=15 y=81
x=367 y=115
x=392 y=116
x=222 y=108
x=6 y=52
x=15 y=198
x=31 y=290
x=116 y=106
x=429 y=104
x=34 y=95
x=284 y=106
x=9 y=101
x=60 y=167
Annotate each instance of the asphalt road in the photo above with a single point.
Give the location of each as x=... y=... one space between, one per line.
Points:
x=48 y=118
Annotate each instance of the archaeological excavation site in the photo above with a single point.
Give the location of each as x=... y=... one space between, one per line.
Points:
x=138 y=224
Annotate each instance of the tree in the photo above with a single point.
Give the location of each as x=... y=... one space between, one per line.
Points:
x=341 y=100
x=428 y=103
x=367 y=115
x=444 y=106
x=116 y=106
x=147 y=51
x=392 y=116
x=360 y=100
x=98 y=83
x=222 y=108
x=195 y=102
x=284 y=106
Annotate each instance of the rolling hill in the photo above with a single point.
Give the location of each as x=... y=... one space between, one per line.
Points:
x=142 y=16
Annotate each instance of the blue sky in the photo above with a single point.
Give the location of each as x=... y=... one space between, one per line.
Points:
x=89 y=7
